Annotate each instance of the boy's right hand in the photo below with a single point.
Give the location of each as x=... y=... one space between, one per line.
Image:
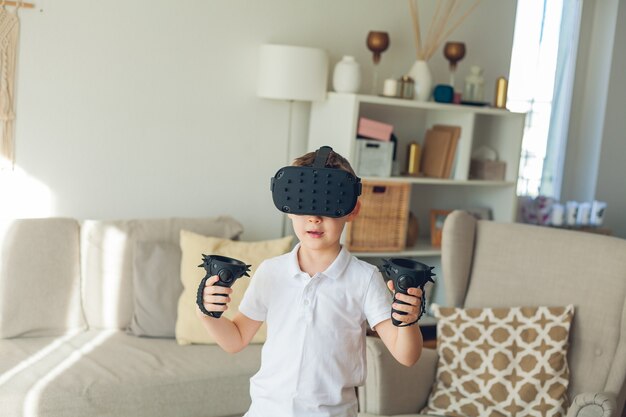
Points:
x=215 y=297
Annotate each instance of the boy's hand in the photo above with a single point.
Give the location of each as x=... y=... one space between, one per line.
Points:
x=214 y=297
x=412 y=307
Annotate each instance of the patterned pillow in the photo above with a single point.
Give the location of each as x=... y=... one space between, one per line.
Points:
x=501 y=361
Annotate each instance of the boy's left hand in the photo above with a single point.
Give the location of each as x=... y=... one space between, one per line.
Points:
x=412 y=307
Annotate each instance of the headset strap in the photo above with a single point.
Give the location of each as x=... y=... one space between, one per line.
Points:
x=321 y=156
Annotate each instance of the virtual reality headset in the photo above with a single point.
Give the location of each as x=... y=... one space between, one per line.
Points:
x=316 y=190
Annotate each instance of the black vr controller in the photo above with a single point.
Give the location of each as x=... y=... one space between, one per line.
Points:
x=315 y=190
x=227 y=269
x=405 y=274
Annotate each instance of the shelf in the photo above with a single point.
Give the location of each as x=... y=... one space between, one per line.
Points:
x=334 y=122
x=422 y=248
x=441 y=181
x=428 y=105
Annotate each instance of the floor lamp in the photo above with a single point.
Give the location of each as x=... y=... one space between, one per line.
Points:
x=292 y=73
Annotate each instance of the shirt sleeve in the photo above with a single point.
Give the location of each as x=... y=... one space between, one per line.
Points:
x=378 y=298
x=254 y=301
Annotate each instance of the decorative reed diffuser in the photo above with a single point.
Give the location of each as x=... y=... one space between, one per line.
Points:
x=447 y=17
x=442 y=23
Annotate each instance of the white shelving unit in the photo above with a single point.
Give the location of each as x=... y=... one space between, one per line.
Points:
x=334 y=122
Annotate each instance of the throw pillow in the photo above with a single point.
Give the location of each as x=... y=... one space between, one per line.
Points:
x=189 y=329
x=156 y=288
x=39 y=278
x=501 y=361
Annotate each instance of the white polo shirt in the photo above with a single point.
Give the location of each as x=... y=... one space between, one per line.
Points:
x=314 y=354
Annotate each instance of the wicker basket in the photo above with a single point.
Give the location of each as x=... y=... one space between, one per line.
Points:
x=382 y=223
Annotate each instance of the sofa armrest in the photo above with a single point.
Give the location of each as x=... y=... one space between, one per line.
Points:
x=392 y=388
x=592 y=404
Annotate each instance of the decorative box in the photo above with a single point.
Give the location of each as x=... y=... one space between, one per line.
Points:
x=487 y=170
x=373 y=158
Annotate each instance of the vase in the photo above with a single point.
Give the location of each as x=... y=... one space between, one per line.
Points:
x=347 y=75
x=423 y=80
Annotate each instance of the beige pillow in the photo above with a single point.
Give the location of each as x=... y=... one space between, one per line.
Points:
x=156 y=288
x=189 y=329
x=39 y=278
x=501 y=361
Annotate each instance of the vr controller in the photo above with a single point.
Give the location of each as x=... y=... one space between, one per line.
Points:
x=227 y=269
x=405 y=274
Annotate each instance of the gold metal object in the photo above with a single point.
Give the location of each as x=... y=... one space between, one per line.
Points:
x=407 y=87
x=501 y=89
x=413 y=159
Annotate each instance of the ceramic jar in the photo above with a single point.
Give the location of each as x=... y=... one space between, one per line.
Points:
x=474 y=85
x=347 y=75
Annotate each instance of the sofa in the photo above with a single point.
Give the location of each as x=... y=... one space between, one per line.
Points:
x=66 y=307
x=486 y=266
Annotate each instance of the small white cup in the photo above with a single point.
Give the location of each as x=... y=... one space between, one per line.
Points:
x=571 y=211
x=390 y=87
x=557 y=215
x=597 y=212
x=584 y=212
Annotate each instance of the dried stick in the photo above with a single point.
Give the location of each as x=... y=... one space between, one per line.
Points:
x=440 y=27
x=455 y=26
x=429 y=37
x=416 y=27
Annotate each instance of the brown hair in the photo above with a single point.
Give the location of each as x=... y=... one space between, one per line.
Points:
x=334 y=161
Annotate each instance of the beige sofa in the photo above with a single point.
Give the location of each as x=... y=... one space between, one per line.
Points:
x=66 y=302
x=489 y=264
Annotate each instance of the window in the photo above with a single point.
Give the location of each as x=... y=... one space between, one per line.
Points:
x=541 y=78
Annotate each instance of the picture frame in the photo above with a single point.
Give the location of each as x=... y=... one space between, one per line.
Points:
x=480 y=213
x=437 y=218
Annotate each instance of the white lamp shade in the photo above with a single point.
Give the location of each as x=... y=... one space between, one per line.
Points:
x=292 y=73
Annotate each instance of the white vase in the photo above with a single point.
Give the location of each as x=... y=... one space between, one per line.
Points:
x=423 y=80
x=347 y=75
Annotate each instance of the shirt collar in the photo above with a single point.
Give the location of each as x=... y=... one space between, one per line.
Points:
x=333 y=271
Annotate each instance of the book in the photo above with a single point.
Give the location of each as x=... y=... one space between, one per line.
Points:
x=437 y=144
x=373 y=129
x=456 y=134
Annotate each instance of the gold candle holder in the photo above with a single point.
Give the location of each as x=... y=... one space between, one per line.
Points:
x=501 y=90
x=413 y=159
x=454 y=52
x=377 y=42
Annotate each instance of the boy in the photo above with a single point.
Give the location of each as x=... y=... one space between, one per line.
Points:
x=315 y=300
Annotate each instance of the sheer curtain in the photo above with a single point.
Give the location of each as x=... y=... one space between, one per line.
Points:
x=541 y=79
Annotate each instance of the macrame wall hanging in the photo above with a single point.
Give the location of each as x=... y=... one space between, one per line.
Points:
x=9 y=30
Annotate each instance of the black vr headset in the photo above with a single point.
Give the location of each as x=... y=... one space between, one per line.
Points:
x=315 y=190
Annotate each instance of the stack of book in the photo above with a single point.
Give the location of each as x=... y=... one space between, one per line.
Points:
x=439 y=150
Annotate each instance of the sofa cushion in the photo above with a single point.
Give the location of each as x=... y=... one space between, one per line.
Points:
x=111 y=373
x=39 y=277
x=156 y=288
x=107 y=260
x=189 y=328
x=501 y=361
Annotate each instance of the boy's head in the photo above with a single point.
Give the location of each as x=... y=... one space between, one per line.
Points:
x=320 y=183
x=334 y=161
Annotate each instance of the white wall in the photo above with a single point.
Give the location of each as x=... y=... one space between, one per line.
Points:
x=611 y=185
x=144 y=108
x=594 y=164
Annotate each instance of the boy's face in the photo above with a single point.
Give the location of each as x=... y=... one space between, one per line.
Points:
x=319 y=232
